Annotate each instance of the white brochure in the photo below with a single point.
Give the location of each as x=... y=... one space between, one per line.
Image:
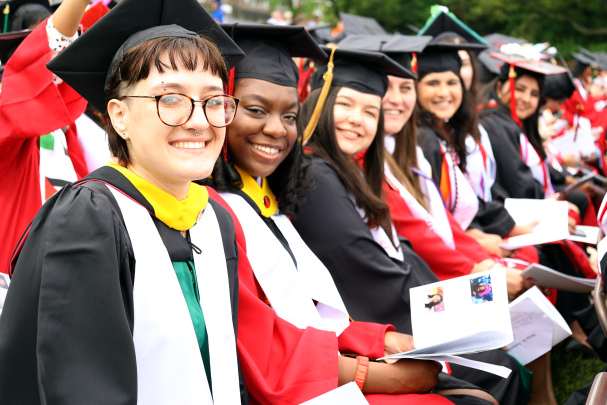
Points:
x=552 y=215
x=537 y=326
x=585 y=234
x=463 y=315
x=546 y=277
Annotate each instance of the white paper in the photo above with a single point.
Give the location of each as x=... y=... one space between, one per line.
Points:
x=5 y=281
x=348 y=394
x=502 y=371
x=546 y=277
x=537 y=326
x=583 y=145
x=590 y=234
x=552 y=214
x=463 y=315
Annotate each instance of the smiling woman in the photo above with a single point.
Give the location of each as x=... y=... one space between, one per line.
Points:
x=148 y=304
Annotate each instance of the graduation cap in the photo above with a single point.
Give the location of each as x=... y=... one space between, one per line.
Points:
x=559 y=86
x=357 y=25
x=526 y=57
x=489 y=67
x=441 y=54
x=584 y=57
x=269 y=51
x=443 y=21
x=321 y=33
x=87 y=62
x=399 y=48
x=362 y=71
x=9 y=42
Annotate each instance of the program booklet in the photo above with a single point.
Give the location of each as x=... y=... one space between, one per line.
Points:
x=537 y=326
x=348 y=394
x=552 y=215
x=546 y=277
x=463 y=315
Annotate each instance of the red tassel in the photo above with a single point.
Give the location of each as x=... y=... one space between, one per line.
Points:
x=511 y=77
x=230 y=92
x=414 y=62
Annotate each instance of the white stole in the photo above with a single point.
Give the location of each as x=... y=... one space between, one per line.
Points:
x=289 y=288
x=539 y=169
x=480 y=169
x=381 y=237
x=437 y=221
x=466 y=202
x=169 y=364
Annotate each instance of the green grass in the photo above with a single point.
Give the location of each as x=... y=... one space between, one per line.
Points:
x=571 y=371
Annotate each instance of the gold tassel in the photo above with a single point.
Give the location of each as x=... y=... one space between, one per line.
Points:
x=328 y=78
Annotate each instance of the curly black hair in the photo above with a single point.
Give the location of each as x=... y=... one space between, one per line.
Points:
x=290 y=182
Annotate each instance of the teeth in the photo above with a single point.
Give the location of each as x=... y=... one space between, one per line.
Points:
x=351 y=133
x=189 y=145
x=391 y=112
x=265 y=149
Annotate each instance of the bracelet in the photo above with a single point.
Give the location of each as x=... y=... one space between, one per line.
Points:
x=361 y=371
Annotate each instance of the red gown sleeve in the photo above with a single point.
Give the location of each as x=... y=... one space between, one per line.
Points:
x=465 y=244
x=364 y=338
x=445 y=262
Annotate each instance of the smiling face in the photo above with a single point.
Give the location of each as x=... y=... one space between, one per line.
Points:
x=440 y=93
x=526 y=93
x=264 y=129
x=356 y=117
x=466 y=72
x=398 y=104
x=169 y=157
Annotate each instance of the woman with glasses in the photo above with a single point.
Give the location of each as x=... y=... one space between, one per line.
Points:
x=125 y=285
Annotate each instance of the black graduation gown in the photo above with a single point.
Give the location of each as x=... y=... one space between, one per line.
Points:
x=374 y=286
x=513 y=178
x=66 y=326
x=491 y=217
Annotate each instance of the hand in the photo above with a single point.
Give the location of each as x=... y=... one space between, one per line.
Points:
x=572 y=224
x=406 y=376
x=485 y=265
x=395 y=342
x=570 y=160
x=523 y=229
x=516 y=284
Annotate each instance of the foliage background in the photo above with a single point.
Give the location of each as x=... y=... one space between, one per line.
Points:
x=563 y=23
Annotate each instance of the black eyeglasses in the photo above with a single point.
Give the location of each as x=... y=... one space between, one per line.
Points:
x=175 y=109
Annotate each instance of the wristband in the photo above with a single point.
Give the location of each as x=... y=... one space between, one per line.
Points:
x=361 y=371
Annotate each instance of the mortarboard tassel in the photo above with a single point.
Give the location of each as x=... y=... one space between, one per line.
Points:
x=230 y=92
x=328 y=78
x=7 y=10
x=511 y=77
x=414 y=62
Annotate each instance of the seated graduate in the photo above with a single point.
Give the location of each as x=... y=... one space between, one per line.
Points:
x=40 y=144
x=345 y=221
x=511 y=119
x=124 y=288
x=262 y=180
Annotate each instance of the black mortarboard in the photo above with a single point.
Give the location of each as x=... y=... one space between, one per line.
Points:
x=85 y=64
x=269 y=51
x=559 y=86
x=489 y=67
x=321 y=33
x=584 y=56
x=358 y=25
x=9 y=43
x=398 y=47
x=601 y=60
x=360 y=70
x=443 y=22
x=441 y=54
x=35 y=10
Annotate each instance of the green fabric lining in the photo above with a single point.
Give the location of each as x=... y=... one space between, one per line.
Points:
x=186 y=274
x=47 y=142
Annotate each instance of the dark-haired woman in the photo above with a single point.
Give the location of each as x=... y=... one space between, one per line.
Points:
x=345 y=221
x=522 y=172
x=263 y=182
x=124 y=289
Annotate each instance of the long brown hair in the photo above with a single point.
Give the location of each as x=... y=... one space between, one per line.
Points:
x=404 y=159
x=367 y=190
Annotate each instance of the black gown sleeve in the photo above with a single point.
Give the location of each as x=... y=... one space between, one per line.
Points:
x=491 y=217
x=66 y=327
x=374 y=287
x=513 y=177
